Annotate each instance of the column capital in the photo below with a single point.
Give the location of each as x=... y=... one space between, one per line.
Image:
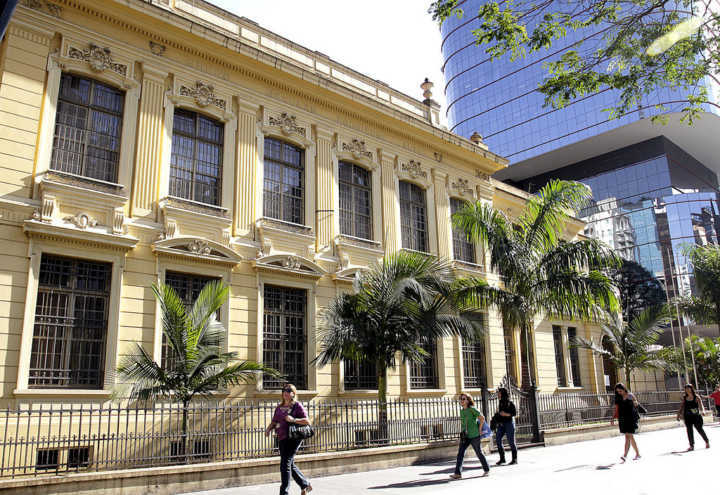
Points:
x=324 y=133
x=153 y=73
x=245 y=106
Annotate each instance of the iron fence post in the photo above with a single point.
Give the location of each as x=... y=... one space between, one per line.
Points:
x=484 y=399
x=534 y=413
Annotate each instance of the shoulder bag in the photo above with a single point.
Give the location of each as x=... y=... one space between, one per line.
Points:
x=300 y=432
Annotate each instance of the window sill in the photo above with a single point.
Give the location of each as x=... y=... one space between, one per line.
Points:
x=62 y=393
x=569 y=389
x=424 y=253
x=365 y=392
x=195 y=206
x=418 y=392
x=266 y=394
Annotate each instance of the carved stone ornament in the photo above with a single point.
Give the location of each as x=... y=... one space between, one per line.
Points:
x=204 y=95
x=357 y=149
x=462 y=187
x=157 y=48
x=44 y=6
x=199 y=246
x=287 y=124
x=81 y=220
x=482 y=175
x=99 y=59
x=292 y=263
x=414 y=169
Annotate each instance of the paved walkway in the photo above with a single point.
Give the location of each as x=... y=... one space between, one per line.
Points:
x=582 y=468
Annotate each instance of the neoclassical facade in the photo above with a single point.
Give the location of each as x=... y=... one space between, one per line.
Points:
x=164 y=140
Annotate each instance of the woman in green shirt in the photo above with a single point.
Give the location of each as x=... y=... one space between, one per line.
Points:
x=471 y=421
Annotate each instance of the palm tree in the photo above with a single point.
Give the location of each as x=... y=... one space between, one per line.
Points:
x=196 y=364
x=398 y=305
x=540 y=273
x=631 y=345
x=705 y=307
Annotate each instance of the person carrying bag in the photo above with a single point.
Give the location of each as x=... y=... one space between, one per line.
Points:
x=470 y=434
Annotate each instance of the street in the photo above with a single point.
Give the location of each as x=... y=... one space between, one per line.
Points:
x=580 y=468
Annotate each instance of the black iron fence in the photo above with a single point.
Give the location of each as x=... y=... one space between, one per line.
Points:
x=39 y=440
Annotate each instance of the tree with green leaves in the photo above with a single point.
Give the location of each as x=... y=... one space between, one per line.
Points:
x=631 y=345
x=704 y=308
x=197 y=363
x=635 y=47
x=397 y=308
x=638 y=289
x=541 y=273
x=704 y=350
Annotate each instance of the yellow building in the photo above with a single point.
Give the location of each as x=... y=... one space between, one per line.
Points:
x=165 y=140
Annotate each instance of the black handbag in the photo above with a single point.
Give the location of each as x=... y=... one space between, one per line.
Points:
x=300 y=432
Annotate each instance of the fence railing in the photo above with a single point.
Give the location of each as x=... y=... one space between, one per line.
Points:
x=41 y=440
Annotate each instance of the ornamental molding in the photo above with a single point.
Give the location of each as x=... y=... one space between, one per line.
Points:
x=197 y=249
x=287 y=124
x=157 y=48
x=414 y=169
x=43 y=6
x=199 y=246
x=462 y=187
x=289 y=263
x=203 y=94
x=99 y=59
x=482 y=175
x=357 y=149
x=81 y=221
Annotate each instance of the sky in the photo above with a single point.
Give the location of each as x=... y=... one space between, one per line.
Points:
x=395 y=41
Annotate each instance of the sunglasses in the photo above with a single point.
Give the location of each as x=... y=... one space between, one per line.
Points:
x=287 y=390
x=463 y=398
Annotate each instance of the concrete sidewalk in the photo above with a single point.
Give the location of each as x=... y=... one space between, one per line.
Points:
x=580 y=468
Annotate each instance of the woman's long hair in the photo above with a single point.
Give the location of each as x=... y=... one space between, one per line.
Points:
x=618 y=397
x=470 y=401
x=293 y=399
x=503 y=394
x=692 y=389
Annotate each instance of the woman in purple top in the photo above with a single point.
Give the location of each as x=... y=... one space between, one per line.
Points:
x=289 y=411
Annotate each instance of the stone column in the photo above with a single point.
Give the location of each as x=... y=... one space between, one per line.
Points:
x=391 y=214
x=325 y=191
x=148 y=156
x=246 y=171
x=442 y=205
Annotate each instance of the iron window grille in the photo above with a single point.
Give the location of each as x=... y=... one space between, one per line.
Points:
x=473 y=353
x=413 y=217
x=360 y=375
x=559 y=359
x=424 y=375
x=196 y=158
x=187 y=287
x=574 y=357
x=463 y=249
x=355 y=200
x=284 y=182
x=70 y=331
x=285 y=336
x=88 y=128
x=509 y=341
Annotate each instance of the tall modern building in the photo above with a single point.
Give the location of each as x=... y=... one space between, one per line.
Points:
x=655 y=186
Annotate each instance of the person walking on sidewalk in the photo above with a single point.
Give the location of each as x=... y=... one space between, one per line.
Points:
x=506 y=426
x=289 y=411
x=715 y=396
x=471 y=422
x=691 y=410
x=627 y=414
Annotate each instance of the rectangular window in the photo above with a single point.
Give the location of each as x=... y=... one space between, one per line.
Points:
x=196 y=158
x=355 y=201
x=509 y=340
x=284 y=182
x=88 y=127
x=78 y=457
x=574 y=357
x=68 y=349
x=473 y=353
x=559 y=357
x=187 y=286
x=424 y=375
x=463 y=249
x=284 y=335
x=360 y=375
x=413 y=217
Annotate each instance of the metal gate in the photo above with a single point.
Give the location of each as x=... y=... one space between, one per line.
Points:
x=527 y=427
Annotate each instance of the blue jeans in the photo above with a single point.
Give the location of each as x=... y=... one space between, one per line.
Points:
x=477 y=447
x=509 y=430
x=288 y=449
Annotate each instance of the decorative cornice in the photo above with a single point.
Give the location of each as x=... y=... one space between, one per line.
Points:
x=357 y=149
x=287 y=124
x=204 y=95
x=482 y=175
x=462 y=187
x=43 y=6
x=197 y=249
x=99 y=59
x=37 y=228
x=157 y=48
x=414 y=169
x=81 y=220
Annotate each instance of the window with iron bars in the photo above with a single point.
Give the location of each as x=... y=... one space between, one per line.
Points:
x=355 y=200
x=284 y=336
x=284 y=182
x=463 y=249
x=413 y=217
x=424 y=375
x=88 y=128
x=509 y=341
x=70 y=331
x=196 y=158
x=473 y=352
x=188 y=287
x=360 y=375
x=559 y=357
x=574 y=357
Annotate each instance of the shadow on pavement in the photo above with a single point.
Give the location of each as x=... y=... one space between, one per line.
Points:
x=451 y=470
x=571 y=468
x=412 y=484
x=605 y=466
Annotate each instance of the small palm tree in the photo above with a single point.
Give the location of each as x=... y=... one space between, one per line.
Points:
x=540 y=273
x=631 y=345
x=197 y=363
x=398 y=306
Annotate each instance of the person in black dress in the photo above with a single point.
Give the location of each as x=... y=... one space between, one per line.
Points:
x=691 y=411
x=626 y=412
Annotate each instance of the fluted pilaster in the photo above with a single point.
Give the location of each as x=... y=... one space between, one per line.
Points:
x=391 y=213
x=245 y=178
x=325 y=191
x=442 y=203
